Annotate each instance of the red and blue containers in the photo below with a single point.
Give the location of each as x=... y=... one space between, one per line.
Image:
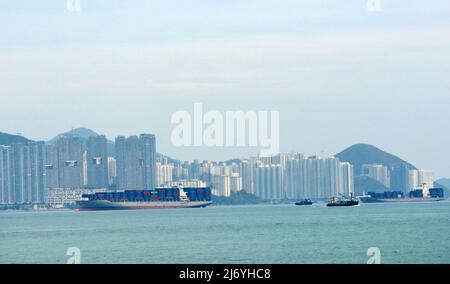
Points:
x=159 y=194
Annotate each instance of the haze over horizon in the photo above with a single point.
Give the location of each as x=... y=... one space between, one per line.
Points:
x=337 y=73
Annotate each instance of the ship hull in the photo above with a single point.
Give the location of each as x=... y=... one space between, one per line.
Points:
x=343 y=204
x=399 y=200
x=303 y=203
x=101 y=205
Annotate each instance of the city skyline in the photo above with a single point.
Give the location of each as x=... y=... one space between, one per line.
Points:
x=36 y=172
x=255 y=153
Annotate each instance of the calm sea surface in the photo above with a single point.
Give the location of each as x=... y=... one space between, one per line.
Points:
x=405 y=233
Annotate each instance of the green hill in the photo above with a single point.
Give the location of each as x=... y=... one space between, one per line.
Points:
x=445 y=184
x=360 y=154
x=8 y=139
x=82 y=132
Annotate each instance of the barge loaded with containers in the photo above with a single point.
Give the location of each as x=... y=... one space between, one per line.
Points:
x=171 y=197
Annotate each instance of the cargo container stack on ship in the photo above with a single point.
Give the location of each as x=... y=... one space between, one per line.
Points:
x=167 y=197
x=422 y=194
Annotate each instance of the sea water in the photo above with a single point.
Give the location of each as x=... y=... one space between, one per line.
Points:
x=403 y=233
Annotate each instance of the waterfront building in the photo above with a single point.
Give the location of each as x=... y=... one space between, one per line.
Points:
x=112 y=171
x=51 y=166
x=268 y=182
x=347 y=179
x=6 y=176
x=235 y=182
x=70 y=150
x=377 y=172
x=97 y=162
x=22 y=173
x=317 y=178
x=399 y=178
x=246 y=170
x=136 y=162
x=221 y=185
x=419 y=178
x=164 y=173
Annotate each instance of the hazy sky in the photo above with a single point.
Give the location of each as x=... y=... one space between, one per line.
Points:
x=337 y=73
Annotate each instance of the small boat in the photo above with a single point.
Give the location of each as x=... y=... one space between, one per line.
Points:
x=304 y=202
x=341 y=201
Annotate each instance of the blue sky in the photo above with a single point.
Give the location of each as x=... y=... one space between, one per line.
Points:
x=337 y=73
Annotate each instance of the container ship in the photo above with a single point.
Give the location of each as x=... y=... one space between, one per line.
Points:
x=416 y=195
x=172 y=197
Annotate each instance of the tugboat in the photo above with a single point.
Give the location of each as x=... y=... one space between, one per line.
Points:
x=304 y=202
x=341 y=201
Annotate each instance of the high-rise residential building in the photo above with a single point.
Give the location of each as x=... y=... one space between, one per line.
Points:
x=246 y=169
x=70 y=150
x=235 y=182
x=294 y=179
x=51 y=166
x=206 y=172
x=377 y=172
x=178 y=173
x=164 y=174
x=85 y=169
x=6 y=176
x=221 y=185
x=97 y=162
x=316 y=177
x=413 y=179
x=194 y=170
x=400 y=178
x=148 y=151
x=332 y=177
x=268 y=181
x=426 y=178
x=22 y=173
x=220 y=169
x=347 y=179
x=419 y=178
x=120 y=157
x=234 y=168
x=164 y=160
x=136 y=162
x=112 y=172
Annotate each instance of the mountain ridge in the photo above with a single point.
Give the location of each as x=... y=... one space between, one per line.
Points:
x=82 y=132
x=9 y=139
x=360 y=154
